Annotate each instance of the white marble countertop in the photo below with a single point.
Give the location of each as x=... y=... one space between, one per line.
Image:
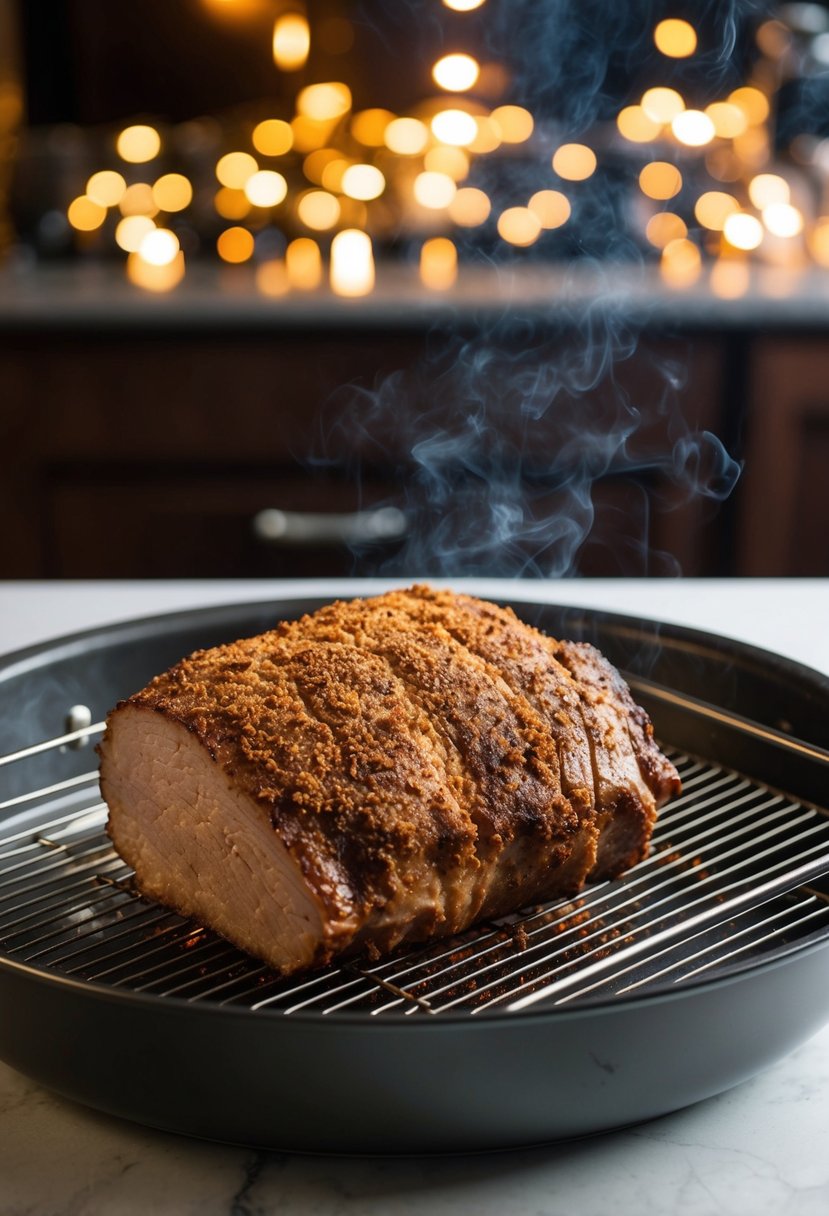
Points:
x=760 y=1148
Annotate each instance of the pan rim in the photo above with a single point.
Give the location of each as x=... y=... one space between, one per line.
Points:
x=601 y=1007
x=15 y=661
x=39 y=654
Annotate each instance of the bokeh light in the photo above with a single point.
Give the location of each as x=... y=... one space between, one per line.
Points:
x=159 y=247
x=138 y=199
x=438 y=263
x=768 y=188
x=172 y=192
x=819 y=241
x=660 y=180
x=675 y=38
x=231 y=204
x=317 y=162
x=681 y=263
x=352 y=263
x=150 y=277
x=85 y=215
x=636 y=125
x=456 y=72
x=308 y=133
x=266 y=188
x=138 y=144
x=323 y=102
x=487 y=137
x=730 y=278
x=434 y=190
x=331 y=177
x=665 y=227
x=519 y=226
x=753 y=103
x=369 y=126
x=743 y=230
x=454 y=127
x=662 y=105
x=273 y=137
x=106 y=188
x=318 y=210
x=514 y=123
x=693 y=128
x=303 y=262
x=363 y=182
x=782 y=219
x=234 y=168
x=729 y=120
x=406 y=136
x=454 y=162
x=574 y=162
x=235 y=245
x=551 y=206
x=131 y=232
x=470 y=207
x=272 y=278
x=291 y=41
x=713 y=208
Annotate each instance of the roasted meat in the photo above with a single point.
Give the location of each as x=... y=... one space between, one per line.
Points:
x=384 y=770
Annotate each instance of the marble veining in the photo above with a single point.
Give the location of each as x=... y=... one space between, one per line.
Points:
x=759 y=1149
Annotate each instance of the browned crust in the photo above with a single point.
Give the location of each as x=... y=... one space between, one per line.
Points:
x=320 y=737
x=418 y=729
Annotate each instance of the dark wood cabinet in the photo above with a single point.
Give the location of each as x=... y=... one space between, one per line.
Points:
x=149 y=451
x=784 y=507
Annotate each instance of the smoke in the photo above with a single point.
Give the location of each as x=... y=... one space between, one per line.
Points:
x=522 y=430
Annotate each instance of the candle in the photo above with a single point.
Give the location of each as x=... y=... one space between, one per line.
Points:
x=352 y=263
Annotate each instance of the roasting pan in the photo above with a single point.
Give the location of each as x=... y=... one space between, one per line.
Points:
x=701 y=966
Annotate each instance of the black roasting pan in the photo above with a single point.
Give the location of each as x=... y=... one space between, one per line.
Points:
x=700 y=967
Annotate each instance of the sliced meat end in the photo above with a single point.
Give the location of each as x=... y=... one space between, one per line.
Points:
x=200 y=845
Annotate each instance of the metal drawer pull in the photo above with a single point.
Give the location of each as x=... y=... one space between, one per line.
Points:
x=324 y=528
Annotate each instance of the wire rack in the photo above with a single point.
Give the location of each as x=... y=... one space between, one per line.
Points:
x=734 y=876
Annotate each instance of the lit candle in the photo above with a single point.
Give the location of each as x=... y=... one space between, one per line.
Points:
x=153 y=277
x=303 y=263
x=438 y=263
x=352 y=263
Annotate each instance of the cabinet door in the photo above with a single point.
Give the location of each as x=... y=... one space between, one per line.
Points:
x=156 y=522
x=784 y=499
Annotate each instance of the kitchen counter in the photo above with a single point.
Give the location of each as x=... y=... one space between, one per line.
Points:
x=759 y=1148
x=96 y=295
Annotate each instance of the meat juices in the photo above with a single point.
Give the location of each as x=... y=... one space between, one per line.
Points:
x=384 y=770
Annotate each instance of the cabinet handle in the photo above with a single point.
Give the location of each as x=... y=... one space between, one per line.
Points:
x=277 y=527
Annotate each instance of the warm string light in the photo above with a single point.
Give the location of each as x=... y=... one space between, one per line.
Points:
x=519 y=226
x=138 y=144
x=361 y=166
x=574 y=162
x=291 y=41
x=456 y=73
x=675 y=38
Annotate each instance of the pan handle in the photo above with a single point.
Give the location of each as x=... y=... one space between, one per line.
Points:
x=274 y=526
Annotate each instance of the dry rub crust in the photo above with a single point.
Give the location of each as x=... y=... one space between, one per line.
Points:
x=425 y=737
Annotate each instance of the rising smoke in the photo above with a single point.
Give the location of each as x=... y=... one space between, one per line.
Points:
x=515 y=417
